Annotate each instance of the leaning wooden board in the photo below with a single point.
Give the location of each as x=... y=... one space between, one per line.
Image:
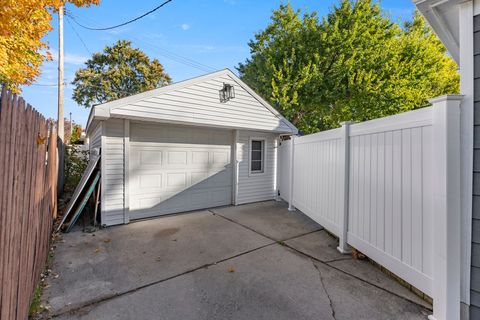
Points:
x=84 y=202
x=78 y=190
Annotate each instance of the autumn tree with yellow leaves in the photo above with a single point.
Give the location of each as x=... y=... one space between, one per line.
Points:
x=23 y=23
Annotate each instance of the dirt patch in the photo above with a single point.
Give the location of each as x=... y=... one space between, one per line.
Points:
x=166 y=232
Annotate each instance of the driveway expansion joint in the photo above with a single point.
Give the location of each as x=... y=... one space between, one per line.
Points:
x=279 y=241
x=115 y=295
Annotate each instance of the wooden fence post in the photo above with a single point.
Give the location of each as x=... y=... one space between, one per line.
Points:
x=446 y=207
x=343 y=247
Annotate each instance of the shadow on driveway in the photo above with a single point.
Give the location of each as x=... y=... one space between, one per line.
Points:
x=256 y=261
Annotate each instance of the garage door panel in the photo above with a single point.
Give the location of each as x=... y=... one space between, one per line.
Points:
x=221 y=157
x=198 y=177
x=174 y=170
x=219 y=179
x=150 y=157
x=176 y=180
x=175 y=158
x=219 y=196
x=150 y=181
x=200 y=157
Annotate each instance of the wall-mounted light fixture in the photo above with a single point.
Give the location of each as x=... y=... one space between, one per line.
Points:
x=226 y=93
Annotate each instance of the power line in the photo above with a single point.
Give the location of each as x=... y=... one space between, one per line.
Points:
x=161 y=51
x=125 y=23
x=78 y=36
x=68 y=84
x=44 y=84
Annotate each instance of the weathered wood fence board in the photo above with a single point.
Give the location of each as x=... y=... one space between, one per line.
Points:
x=27 y=201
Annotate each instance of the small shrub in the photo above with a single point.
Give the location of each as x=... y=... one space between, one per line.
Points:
x=76 y=162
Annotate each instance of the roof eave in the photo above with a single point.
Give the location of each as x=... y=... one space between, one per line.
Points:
x=442 y=16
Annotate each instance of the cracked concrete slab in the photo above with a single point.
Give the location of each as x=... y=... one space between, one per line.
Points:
x=352 y=298
x=204 y=266
x=118 y=259
x=364 y=270
x=273 y=282
x=319 y=245
x=271 y=219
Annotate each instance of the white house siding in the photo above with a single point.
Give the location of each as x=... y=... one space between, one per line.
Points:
x=199 y=103
x=256 y=187
x=113 y=173
x=95 y=138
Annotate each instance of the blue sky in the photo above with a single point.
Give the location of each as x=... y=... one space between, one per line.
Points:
x=189 y=37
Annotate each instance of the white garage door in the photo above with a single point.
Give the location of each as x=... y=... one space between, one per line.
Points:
x=175 y=169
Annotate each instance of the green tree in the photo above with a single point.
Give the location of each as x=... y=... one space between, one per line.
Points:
x=354 y=64
x=119 y=71
x=76 y=133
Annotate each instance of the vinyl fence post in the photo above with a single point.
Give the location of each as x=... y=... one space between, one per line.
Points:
x=343 y=247
x=446 y=207
x=291 y=207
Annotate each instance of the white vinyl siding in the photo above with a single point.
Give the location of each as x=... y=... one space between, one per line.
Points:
x=95 y=138
x=113 y=173
x=199 y=104
x=254 y=187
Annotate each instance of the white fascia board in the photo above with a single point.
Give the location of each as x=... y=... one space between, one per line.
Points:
x=97 y=113
x=437 y=13
x=200 y=124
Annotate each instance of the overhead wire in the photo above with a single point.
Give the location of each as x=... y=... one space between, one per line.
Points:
x=124 y=23
x=163 y=52
x=77 y=34
x=159 y=50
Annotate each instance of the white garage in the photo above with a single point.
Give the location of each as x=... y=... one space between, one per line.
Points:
x=178 y=169
x=201 y=143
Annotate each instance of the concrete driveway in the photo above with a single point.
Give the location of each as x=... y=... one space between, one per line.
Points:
x=256 y=261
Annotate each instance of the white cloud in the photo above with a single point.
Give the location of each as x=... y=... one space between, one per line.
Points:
x=185 y=26
x=75 y=59
x=69 y=58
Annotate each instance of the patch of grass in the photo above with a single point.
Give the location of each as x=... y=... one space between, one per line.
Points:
x=36 y=300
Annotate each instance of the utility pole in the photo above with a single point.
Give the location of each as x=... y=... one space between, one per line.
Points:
x=60 y=121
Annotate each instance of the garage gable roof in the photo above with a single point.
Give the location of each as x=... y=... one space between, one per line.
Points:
x=196 y=102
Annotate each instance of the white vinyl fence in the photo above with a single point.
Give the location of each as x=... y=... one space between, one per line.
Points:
x=389 y=188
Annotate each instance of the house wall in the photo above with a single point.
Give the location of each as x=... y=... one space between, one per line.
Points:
x=251 y=187
x=256 y=187
x=113 y=191
x=475 y=261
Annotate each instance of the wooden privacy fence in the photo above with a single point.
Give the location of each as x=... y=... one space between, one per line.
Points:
x=390 y=188
x=28 y=200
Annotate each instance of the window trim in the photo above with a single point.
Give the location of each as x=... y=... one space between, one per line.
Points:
x=264 y=156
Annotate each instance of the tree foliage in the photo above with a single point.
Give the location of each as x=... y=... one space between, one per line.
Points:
x=76 y=133
x=355 y=64
x=23 y=24
x=119 y=71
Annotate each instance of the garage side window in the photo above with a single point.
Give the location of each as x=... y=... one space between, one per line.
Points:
x=257 y=155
